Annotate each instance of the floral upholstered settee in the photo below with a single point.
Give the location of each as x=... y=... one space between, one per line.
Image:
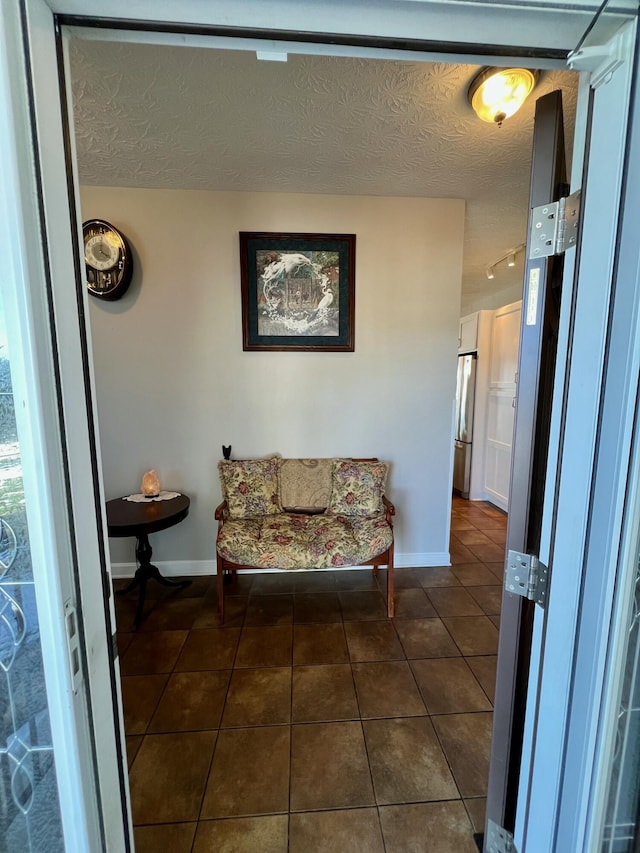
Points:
x=304 y=514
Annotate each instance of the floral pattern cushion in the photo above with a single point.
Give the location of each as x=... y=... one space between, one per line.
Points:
x=373 y=535
x=251 y=487
x=291 y=541
x=357 y=488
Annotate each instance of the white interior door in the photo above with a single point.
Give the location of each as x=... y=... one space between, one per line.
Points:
x=503 y=374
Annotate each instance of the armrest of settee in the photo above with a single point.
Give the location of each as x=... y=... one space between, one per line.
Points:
x=220 y=511
x=389 y=510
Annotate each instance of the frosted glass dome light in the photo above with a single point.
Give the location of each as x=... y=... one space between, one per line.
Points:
x=497 y=93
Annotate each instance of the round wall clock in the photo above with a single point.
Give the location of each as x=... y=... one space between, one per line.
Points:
x=108 y=259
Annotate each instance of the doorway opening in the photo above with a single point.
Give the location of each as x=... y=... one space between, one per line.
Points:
x=179 y=248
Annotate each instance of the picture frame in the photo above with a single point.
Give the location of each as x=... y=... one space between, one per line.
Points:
x=298 y=291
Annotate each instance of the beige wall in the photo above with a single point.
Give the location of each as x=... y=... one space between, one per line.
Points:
x=173 y=384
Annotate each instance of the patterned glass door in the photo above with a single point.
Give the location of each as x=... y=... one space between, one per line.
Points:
x=621 y=832
x=29 y=804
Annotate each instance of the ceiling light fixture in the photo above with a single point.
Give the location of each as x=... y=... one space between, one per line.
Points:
x=497 y=93
x=509 y=257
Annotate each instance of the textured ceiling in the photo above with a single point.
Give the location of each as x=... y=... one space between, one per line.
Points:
x=194 y=118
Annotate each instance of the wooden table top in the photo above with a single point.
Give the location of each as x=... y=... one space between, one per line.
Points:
x=128 y=518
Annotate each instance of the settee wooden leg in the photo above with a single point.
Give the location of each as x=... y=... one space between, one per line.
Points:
x=376 y=569
x=391 y=607
x=220 y=580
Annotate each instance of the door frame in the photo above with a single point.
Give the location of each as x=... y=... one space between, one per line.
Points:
x=385 y=30
x=554 y=770
x=53 y=481
x=623 y=496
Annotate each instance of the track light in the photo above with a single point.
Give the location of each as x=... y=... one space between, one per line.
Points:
x=509 y=257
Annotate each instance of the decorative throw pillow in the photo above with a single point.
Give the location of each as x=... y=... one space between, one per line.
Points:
x=357 y=488
x=251 y=486
x=305 y=483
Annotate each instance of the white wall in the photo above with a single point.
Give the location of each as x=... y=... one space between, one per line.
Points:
x=173 y=384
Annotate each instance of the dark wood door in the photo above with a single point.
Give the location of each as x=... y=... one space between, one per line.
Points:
x=536 y=371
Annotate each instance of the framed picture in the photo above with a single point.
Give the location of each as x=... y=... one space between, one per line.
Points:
x=298 y=291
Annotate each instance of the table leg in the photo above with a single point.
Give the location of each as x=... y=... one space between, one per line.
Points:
x=141 y=597
x=144 y=572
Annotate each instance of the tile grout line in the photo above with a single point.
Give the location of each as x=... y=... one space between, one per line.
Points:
x=290 y=745
x=371 y=778
x=217 y=736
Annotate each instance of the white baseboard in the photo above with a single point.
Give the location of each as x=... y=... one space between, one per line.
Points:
x=192 y=568
x=416 y=561
x=168 y=568
x=497 y=500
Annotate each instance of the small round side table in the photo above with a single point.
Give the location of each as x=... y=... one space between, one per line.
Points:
x=128 y=518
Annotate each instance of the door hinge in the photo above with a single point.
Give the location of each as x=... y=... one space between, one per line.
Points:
x=525 y=575
x=114 y=646
x=499 y=840
x=554 y=226
x=73 y=645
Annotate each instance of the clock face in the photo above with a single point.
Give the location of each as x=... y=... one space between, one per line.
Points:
x=108 y=260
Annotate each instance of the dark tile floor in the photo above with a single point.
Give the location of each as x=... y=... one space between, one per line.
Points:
x=311 y=722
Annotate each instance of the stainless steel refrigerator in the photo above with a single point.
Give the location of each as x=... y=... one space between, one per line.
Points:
x=463 y=435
